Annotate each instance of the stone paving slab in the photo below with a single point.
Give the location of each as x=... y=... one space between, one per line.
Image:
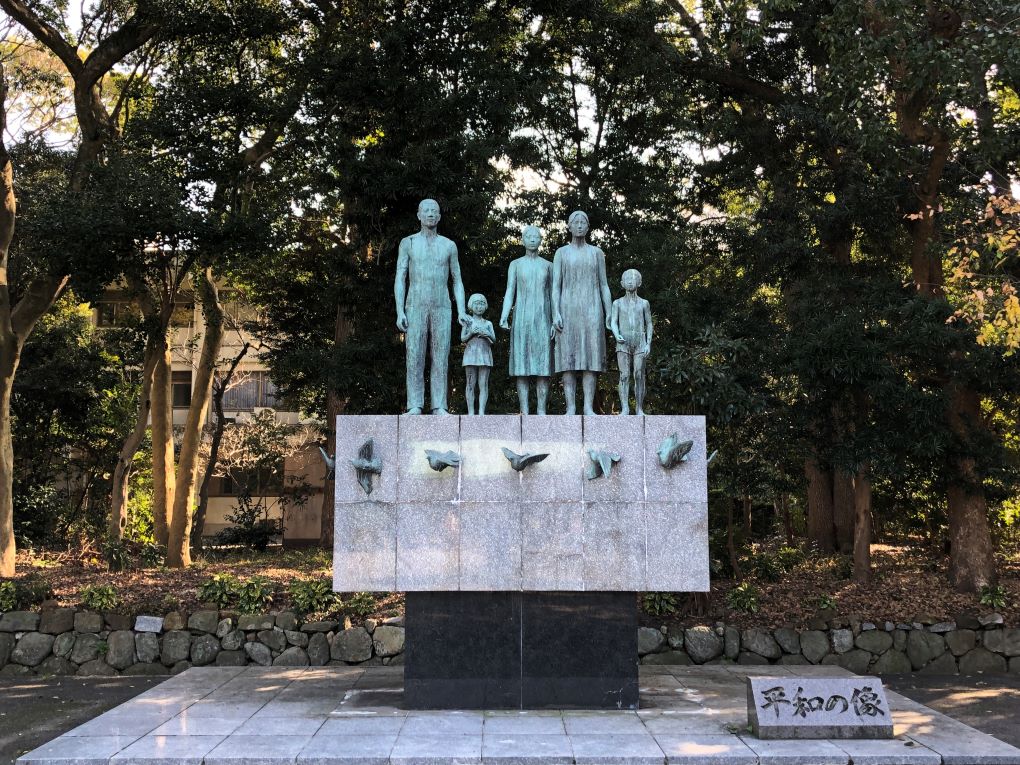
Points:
x=352 y=716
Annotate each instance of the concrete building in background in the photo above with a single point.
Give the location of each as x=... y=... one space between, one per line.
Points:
x=251 y=391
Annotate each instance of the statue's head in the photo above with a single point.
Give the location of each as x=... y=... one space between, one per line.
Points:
x=578 y=223
x=532 y=237
x=477 y=304
x=428 y=213
x=631 y=279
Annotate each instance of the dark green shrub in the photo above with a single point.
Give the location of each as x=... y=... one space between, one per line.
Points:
x=8 y=595
x=32 y=590
x=255 y=595
x=99 y=597
x=311 y=596
x=360 y=604
x=659 y=603
x=995 y=597
x=743 y=597
x=221 y=589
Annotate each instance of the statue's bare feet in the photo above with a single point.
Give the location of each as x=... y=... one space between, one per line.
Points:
x=640 y=412
x=439 y=411
x=624 y=410
x=416 y=410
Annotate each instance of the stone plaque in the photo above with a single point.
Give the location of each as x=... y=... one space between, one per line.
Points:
x=818 y=707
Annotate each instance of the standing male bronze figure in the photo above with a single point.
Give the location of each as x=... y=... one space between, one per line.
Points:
x=426 y=264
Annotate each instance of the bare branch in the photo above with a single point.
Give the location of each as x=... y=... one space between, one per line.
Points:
x=45 y=33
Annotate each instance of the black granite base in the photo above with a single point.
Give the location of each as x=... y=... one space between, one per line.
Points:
x=513 y=650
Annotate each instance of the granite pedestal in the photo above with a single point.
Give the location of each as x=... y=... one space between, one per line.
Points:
x=532 y=560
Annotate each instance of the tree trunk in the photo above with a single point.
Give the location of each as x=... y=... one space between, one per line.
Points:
x=342 y=330
x=783 y=510
x=820 y=529
x=162 y=445
x=220 y=386
x=731 y=546
x=122 y=470
x=8 y=365
x=862 y=525
x=972 y=554
x=179 y=548
x=843 y=512
x=747 y=507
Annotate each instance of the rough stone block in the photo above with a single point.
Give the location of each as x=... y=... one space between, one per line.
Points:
x=961 y=641
x=149 y=624
x=54 y=621
x=486 y=474
x=624 y=436
x=761 y=642
x=86 y=648
x=204 y=650
x=416 y=481
x=116 y=622
x=351 y=433
x=892 y=662
x=702 y=644
x=19 y=621
x=352 y=645
x=614 y=546
x=1004 y=641
x=204 y=621
x=295 y=656
x=388 y=640
x=559 y=477
x=32 y=648
x=677 y=554
x=62 y=646
x=490 y=546
x=982 y=660
x=552 y=546
x=120 y=649
x=818 y=708
x=55 y=665
x=86 y=621
x=364 y=547
x=255 y=622
x=687 y=482
x=428 y=537
x=146 y=647
x=176 y=647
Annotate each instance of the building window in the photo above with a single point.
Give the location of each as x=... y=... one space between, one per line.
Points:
x=250 y=390
x=181 y=393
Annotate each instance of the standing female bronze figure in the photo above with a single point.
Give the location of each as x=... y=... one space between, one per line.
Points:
x=581 y=308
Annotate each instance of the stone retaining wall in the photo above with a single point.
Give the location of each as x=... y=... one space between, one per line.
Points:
x=62 y=641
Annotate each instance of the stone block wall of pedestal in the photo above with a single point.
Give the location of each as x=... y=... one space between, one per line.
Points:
x=483 y=526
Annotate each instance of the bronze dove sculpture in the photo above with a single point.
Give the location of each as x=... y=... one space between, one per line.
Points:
x=367 y=465
x=439 y=461
x=600 y=463
x=520 y=461
x=672 y=451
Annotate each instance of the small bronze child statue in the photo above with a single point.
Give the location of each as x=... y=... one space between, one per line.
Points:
x=479 y=336
x=631 y=323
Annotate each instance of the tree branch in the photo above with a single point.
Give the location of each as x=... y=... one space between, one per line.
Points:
x=44 y=33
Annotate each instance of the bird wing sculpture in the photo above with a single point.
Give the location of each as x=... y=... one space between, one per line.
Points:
x=520 y=461
x=439 y=461
x=672 y=451
x=601 y=463
x=330 y=464
x=366 y=465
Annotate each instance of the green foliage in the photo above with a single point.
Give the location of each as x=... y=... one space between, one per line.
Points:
x=249 y=526
x=8 y=595
x=994 y=596
x=98 y=597
x=826 y=602
x=151 y=555
x=744 y=597
x=255 y=595
x=116 y=554
x=32 y=590
x=221 y=589
x=360 y=604
x=312 y=596
x=659 y=603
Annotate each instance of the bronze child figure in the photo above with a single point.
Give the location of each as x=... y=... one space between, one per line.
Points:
x=479 y=336
x=529 y=296
x=631 y=323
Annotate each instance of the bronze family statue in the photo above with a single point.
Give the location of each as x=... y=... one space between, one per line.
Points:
x=557 y=314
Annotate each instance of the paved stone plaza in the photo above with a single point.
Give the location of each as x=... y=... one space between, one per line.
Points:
x=271 y=716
